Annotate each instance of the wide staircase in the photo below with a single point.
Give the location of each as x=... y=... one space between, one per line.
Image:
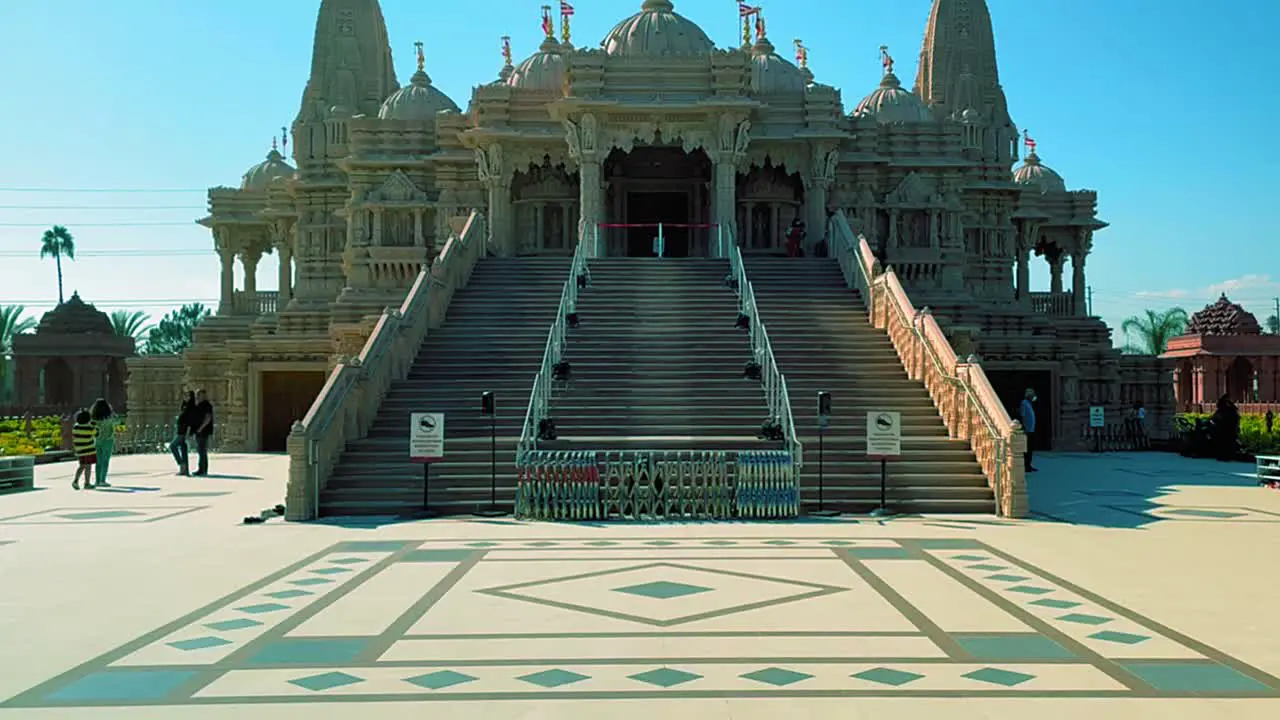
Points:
x=823 y=342
x=492 y=340
x=657 y=363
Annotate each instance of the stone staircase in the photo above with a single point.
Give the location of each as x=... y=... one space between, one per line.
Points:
x=823 y=341
x=492 y=339
x=657 y=362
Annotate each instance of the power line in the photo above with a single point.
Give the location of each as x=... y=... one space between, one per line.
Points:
x=196 y=208
x=119 y=303
x=115 y=224
x=103 y=190
x=139 y=252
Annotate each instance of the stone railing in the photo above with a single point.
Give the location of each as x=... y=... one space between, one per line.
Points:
x=346 y=405
x=1052 y=304
x=260 y=302
x=1244 y=408
x=961 y=391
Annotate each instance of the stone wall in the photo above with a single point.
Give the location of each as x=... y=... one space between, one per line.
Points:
x=155 y=386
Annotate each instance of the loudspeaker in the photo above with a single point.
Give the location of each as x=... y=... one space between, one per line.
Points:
x=824 y=403
x=488 y=405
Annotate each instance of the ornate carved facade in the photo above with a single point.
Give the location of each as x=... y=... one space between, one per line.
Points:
x=658 y=126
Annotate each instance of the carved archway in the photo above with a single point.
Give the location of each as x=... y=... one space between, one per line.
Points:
x=545 y=198
x=57 y=383
x=769 y=197
x=654 y=184
x=1240 y=380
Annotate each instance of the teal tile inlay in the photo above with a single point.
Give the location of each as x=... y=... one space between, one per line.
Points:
x=970 y=558
x=950 y=544
x=1119 y=637
x=1029 y=590
x=310 y=651
x=439 y=680
x=778 y=543
x=331 y=570
x=1084 y=619
x=887 y=676
x=1192 y=676
x=721 y=543
x=1197 y=512
x=661 y=543
x=602 y=543
x=289 y=594
x=1008 y=578
x=198 y=494
x=1028 y=646
x=326 y=681
x=778 y=677
x=100 y=515
x=542 y=543
x=349 y=561
x=199 y=643
x=483 y=544
x=1055 y=604
x=373 y=546
x=263 y=608
x=553 y=678
x=665 y=677
x=879 y=553
x=996 y=676
x=440 y=555
x=237 y=624
x=986 y=567
x=838 y=543
x=122 y=685
x=311 y=581
x=662 y=590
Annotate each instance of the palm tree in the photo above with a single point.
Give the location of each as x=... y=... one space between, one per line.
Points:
x=57 y=243
x=12 y=324
x=1273 y=324
x=1153 y=330
x=130 y=324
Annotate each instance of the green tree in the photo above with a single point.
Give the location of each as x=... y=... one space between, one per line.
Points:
x=57 y=243
x=173 y=333
x=1149 y=333
x=1273 y=324
x=130 y=324
x=12 y=324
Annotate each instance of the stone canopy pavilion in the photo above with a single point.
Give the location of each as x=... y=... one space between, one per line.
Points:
x=1224 y=352
x=73 y=358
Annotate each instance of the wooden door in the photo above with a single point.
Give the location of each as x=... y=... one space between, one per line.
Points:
x=286 y=398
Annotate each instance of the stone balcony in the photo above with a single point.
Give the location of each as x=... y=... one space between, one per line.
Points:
x=261 y=302
x=1052 y=304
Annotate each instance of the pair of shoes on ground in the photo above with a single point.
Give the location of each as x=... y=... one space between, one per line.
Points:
x=89 y=485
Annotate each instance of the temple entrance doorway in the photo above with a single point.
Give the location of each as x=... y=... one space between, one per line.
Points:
x=657 y=185
x=1011 y=386
x=286 y=397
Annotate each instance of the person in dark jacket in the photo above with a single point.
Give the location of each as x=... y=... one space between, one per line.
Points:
x=202 y=428
x=1226 y=429
x=182 y=428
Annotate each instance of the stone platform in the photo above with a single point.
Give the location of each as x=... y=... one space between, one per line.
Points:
x=1146 y=584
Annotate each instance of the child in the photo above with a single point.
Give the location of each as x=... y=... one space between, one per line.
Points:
x=83 y=435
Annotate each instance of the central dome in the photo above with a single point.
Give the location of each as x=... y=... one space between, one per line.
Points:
x=657 y=31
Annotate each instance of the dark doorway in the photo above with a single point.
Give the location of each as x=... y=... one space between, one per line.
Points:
x=648 y=209
x=286 y=397
x=1011 y=386
x=59 y=384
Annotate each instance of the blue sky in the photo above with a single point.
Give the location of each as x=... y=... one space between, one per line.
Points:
x=1164 y=106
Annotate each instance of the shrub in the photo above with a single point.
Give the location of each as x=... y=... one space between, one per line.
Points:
x=45 y=435
x=1254 y=438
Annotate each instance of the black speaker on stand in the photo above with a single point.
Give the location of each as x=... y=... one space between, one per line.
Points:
x=824 y=423
x=489 y=406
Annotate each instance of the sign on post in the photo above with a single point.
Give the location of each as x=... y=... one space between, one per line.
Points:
x=1097 y=416
x=884 y=434
x=426 y=437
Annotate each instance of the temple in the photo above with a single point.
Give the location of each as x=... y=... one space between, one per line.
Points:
x=1224 y=353
x=655 y=125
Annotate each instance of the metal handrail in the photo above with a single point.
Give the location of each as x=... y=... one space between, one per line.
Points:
x=540 y=393
x=777 y=397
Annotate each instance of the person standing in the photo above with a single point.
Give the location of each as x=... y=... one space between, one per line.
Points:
x=82 y=442
x=1028 y=415
x=105 y=423
x=202 y=429
x=182 y=428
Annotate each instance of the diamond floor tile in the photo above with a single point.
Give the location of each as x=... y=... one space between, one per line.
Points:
x=996 y=676
x=1029 y=590
x=331 y=570
x=1085 y=619
x=665 y=677
x=236 y=624
x=778 y=677
x=326 y=681
x=1119 y=637
x=439 y=680
x=289 y=594
x=306 y=582
x=1197 y=512
x=663 y=590
x=1008 y=578
x=263 y=608
x=553 y=678
x=100 y=515
x=887 y=676
x=1055 y=604
x=200 y=643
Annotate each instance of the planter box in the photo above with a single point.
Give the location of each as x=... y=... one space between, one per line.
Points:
x=17 y=473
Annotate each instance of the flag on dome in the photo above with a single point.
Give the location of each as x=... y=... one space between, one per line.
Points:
x=566 y=9
x=1030 y=143
x=745 y=10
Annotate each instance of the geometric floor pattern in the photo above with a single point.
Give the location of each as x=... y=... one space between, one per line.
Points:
x=680 y=618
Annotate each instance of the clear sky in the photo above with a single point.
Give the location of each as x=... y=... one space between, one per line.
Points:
x=1166 y=107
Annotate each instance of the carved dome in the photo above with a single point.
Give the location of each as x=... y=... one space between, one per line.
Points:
x=260 y=176
x=75 y=317
x=544 y=70
x=657 y=31
x=891 y=105
x=1223 y=318
x=419 y=100
x=1036 y=175
x=772 y=74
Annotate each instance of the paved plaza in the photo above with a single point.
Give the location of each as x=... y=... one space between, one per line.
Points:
x=1145 y=584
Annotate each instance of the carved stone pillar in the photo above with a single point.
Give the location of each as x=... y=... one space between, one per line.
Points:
x=249 y=261
x=894 y=238
x=748 y=225
x=819 y=191
x=583 y=139
x=1078 y=284
x=566 y=218
x=1024 y=277
x=1055 y=273
x=377 y=227
x=540 y=226
x=227 y=289
x=733 y=141
x=418 y=239
x=285 y=275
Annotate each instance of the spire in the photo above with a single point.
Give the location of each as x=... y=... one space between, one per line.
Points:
x=548 y=27
x=760 y=29
x=350 y=60
x=507 y=66
x=886 y=60
x=422 y=58
x=566 y=12
x=1032 y=157
x=802 y=54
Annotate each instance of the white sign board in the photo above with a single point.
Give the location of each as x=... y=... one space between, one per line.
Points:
x=426 y=437
x=1097 y=416
x=884 y=434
